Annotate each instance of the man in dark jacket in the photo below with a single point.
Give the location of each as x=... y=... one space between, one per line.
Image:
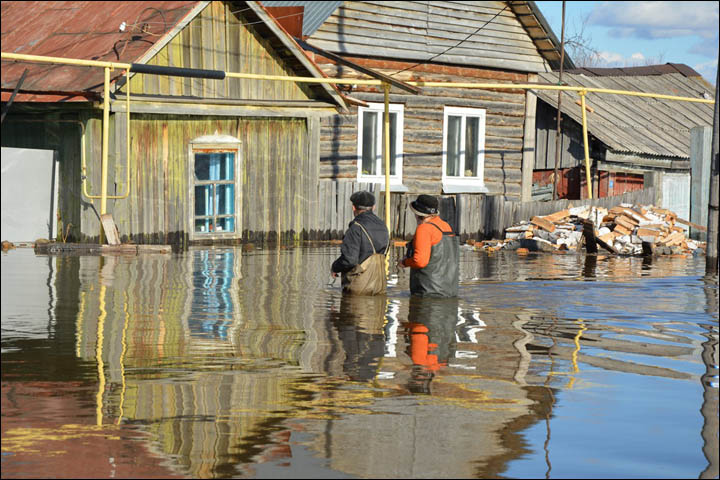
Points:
x=356 y=246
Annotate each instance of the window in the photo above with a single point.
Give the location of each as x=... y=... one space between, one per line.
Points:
x=214 y=191
x=371 y=164
x=463 y=150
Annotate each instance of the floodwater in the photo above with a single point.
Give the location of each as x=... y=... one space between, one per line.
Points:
x=251 y=364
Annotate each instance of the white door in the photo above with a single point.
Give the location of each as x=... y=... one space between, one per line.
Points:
x=29 y=195
x=676 y=194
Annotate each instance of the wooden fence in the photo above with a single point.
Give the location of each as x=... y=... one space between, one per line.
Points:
x=479 y=217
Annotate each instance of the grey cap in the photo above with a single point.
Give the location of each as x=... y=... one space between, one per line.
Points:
x=362 y=199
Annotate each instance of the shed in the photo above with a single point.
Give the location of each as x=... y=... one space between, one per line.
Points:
x=445 y=141
x=634 y=141
x=209 y=160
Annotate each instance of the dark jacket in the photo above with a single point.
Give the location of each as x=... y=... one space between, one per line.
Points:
x=356 y=246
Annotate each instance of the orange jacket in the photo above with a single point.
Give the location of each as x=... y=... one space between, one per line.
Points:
x=425 y=237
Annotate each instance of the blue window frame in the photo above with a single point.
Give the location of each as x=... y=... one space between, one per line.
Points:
x=215 y=184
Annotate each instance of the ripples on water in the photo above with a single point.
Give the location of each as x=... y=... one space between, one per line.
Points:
x=223 y=363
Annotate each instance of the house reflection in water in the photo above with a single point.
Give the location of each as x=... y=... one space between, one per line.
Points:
x=224 y=357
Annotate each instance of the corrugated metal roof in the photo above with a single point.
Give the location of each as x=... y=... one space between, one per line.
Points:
x=314 y=15
x=637 y=124
x=635 y=71
x=86 y=30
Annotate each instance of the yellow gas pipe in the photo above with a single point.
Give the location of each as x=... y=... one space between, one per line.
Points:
x=585 y=143
x=386 y=152
x=110 y=65
x=127 y=153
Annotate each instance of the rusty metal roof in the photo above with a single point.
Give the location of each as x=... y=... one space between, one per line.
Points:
x=314 y=14
x=638 y=125
x=85 y=30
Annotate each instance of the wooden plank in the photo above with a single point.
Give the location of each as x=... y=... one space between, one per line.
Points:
x=606 y=241
x=690 y=224
x=110 y=229
x=589 y=236
x=543 y=223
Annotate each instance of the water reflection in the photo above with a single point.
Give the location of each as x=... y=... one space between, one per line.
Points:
x=358 y=337
x=430 y=338
x=223 y=363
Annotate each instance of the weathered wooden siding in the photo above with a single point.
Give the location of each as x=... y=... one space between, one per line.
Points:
x=571 y=142
x=279 y=177
x=423 y=126
x=221 y=38
x=419 y=31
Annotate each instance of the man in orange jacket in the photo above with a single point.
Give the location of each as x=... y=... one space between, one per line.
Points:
x=434 y=253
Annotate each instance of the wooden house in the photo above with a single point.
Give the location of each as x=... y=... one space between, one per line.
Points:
x=460 y=143
x=208 y=160
x=635 y=142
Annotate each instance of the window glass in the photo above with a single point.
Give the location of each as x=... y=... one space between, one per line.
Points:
x=453 y=146
x=393 y=144
x=464 y=152
x=371 y=149
x=203 y=200
x=225 y=199
x=369 y=143
x=472 y=130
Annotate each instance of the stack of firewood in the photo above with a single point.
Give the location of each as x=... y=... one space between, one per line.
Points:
x=625 y=229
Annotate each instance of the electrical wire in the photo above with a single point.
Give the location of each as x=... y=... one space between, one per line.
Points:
x=454 y=46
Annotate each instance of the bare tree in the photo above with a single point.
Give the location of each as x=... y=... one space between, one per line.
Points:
x=579 y=44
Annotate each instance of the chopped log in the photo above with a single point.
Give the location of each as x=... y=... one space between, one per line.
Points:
x=557 y=216
x=543 y=223
x=672 y=238
x=647 y=232
x=675 y=238
x=622 y=230
x=625 y=222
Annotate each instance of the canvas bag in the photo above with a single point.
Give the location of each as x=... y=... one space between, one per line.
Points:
x=368 y=277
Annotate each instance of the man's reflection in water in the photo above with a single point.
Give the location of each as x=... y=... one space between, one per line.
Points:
x=430 y=338
x=359 y=325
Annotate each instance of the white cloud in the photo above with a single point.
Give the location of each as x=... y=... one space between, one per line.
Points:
x=708 y=70
x=614 y=59
x=611 y=58
x=653 y=20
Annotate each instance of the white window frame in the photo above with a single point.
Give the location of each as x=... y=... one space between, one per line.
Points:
x=399 y=109
x=219 y=144
x=459 y=184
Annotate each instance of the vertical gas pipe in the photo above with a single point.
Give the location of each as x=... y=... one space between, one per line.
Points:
x=105 y=135
x=585 y=142
x=386 y=153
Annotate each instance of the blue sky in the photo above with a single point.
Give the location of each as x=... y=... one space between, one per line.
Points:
x=631 y=33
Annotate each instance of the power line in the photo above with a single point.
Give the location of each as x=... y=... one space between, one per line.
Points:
x=454 y=46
